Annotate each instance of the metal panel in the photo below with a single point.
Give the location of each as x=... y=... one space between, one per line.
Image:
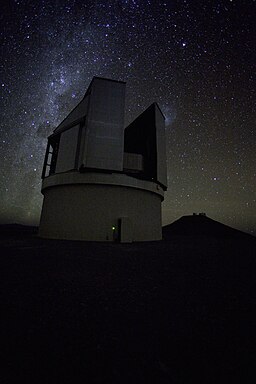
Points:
x=133 y=161
x=77 y=114
x=160 y=147
x=125 y=229
x=89 y=212
x=140 y=138
x=104 y=125
x=67 y=150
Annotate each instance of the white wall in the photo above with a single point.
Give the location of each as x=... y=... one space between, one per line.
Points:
x=88 y=212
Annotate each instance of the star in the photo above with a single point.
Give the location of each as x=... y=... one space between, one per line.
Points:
x=197 y=63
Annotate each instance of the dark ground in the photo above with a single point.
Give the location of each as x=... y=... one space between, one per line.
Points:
x=177 y=311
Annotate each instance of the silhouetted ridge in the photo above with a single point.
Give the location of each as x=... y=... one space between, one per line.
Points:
x=200 y=225
x=12 y=229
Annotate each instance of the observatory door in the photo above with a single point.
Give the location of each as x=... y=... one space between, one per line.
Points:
x=124 y=230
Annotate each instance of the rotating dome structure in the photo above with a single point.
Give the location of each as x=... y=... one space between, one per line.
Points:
x=102 y=182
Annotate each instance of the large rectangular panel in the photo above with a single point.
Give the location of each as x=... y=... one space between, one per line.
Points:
x=161 y=147
x=105 y=125
x=106 y=155
x=133 y=161
x=78 y=113
x=67 y=150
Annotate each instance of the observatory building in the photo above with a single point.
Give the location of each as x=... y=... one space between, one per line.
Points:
x=102 y=182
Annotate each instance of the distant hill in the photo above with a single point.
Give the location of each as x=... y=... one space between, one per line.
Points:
x=200 y=225
x=190 y=225
x=181 y=310
x=17 y=229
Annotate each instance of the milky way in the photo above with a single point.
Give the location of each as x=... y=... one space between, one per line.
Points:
x=195 y=58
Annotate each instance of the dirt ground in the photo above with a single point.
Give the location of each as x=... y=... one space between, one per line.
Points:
x=177 y=311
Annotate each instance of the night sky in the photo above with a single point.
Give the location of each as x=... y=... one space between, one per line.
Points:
x=196 y=59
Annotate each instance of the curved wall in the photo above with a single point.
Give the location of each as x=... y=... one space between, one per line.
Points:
x=93 y=208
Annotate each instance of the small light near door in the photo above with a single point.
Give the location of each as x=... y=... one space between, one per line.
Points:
x=113 y=228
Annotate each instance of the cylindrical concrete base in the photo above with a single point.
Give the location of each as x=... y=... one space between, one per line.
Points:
x=101 y=212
